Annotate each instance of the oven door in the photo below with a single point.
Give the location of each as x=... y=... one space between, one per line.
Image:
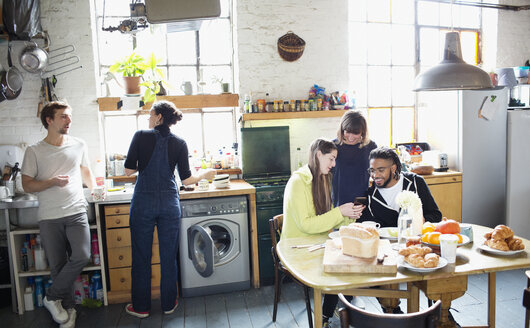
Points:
x=264 y=213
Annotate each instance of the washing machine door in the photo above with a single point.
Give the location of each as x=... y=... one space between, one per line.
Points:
x=201 y=249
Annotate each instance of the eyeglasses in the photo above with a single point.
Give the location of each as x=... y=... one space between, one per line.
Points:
x=380 y=170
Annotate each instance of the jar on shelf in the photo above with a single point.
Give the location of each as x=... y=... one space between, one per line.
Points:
x=285 y=106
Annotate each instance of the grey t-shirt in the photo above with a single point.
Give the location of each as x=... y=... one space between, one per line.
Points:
x=43 y=161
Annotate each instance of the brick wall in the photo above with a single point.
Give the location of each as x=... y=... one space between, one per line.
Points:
x=323 y=26
x=513 y=34
x=67 y=22
x=259 y=24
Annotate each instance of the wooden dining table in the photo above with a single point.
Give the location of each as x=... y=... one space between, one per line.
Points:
x=445 y=284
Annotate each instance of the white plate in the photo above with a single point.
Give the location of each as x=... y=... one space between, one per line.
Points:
x=499 y=252
x=385 y=233
x=441 y=263
x=334 y=234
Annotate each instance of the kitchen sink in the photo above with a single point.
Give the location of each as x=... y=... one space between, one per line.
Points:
x=23 y=211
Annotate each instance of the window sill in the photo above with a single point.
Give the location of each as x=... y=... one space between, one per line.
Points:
x=193 y=101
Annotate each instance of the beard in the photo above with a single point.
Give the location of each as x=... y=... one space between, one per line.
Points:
x=387 y=181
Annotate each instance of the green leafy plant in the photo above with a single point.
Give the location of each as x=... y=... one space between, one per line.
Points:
x=132 y=65
x=153 y=79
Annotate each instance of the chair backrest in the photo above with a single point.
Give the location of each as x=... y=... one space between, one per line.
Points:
x=358 y=318
x=275 y=226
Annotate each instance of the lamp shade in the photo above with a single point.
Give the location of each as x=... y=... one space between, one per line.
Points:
x=506 y=77
x=452 y=73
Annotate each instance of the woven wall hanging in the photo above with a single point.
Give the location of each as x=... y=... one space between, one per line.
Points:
x=290 y=46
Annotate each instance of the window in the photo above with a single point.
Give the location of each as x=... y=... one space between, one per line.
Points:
x=383 y=63
x=196 y=56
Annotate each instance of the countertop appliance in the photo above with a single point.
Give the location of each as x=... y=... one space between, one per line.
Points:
x=214 y=246
x=518 y=173
x=267 y=166
x=449 y=121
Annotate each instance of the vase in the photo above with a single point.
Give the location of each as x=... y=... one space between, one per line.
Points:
x=405 y=227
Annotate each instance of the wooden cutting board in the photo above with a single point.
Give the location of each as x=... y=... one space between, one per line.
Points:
x=335 y=261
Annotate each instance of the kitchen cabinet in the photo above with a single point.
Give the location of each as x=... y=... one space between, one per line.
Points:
x=117 y=243
x=446 y=188
x=119 y=256
x=17 y=239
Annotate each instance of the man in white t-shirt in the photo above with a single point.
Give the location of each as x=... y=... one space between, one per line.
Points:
x=55 y=169
x=388 y=182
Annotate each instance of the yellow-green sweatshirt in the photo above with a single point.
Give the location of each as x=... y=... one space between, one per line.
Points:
x=299 y=216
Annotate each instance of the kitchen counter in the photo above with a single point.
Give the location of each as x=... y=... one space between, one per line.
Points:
x=237 y=187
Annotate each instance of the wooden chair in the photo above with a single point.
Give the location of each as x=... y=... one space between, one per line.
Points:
x=275 y=225
x=355 y=317
x=526 y=300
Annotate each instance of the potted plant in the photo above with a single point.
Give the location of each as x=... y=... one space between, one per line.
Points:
x=153 y=80
x=224 y=87
x=132 y=68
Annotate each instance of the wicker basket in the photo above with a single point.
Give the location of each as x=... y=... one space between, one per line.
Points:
x=290 y=46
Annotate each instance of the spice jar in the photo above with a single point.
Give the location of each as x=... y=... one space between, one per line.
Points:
x=292 y=106
x=261 y=105
x=285 y=106
x=269 y=107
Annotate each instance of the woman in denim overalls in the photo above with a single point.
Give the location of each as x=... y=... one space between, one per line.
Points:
x=155 y=153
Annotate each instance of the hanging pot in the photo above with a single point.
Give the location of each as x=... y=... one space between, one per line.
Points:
x=34 y=59
x=10 y=81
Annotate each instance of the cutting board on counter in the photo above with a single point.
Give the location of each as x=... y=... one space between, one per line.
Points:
x=334 y=261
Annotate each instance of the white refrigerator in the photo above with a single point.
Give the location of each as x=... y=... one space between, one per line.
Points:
x=518 y=172
x=476 y=146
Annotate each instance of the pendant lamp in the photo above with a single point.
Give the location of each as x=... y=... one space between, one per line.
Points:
x=452 y=73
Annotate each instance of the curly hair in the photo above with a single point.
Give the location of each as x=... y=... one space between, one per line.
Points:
x=387 y=153
x=170 y=113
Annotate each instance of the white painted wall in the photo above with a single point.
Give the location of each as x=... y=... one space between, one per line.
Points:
x=324 y=27
x=67 y=22
x=513 y=47
x=259 y=24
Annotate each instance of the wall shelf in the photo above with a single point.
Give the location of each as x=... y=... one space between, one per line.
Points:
x=292 y=115
x=193 y=101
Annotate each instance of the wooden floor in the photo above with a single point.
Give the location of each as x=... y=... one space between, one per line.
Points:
x=253 y=308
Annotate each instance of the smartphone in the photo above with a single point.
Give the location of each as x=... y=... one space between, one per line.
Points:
x=360 y=201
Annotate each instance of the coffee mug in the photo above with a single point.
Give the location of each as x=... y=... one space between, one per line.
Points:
x=98 y=194
x=186 y=88
x=4 y=192
x=371 y=224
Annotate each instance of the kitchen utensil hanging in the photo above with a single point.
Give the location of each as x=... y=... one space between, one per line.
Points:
x=11 y=80
x=33 y=59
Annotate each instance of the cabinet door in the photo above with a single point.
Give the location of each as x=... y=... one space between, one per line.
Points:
x=448 y=197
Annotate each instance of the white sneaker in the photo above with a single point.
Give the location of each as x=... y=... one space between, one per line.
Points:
x=57 y=311
x=72 y=315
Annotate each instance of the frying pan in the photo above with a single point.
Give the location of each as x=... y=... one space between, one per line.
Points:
x=10 y=81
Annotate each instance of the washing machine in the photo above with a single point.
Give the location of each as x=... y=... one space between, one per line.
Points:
x=214 y=246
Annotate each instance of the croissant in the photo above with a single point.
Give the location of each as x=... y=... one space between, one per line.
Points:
x=497 y=244
x=488 y=235
x=415 y=260
x=515 y=244
x=415 y=249
x=431 y=260
x=501 y=232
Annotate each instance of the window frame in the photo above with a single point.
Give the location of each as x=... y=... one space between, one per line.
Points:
x=140 y=114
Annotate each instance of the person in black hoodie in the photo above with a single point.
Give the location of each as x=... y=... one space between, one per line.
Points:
x=388 y=182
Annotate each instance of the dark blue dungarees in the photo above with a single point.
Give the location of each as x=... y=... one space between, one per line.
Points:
x=155 y=202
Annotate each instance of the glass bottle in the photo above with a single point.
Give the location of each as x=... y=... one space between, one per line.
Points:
x=404 y=227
